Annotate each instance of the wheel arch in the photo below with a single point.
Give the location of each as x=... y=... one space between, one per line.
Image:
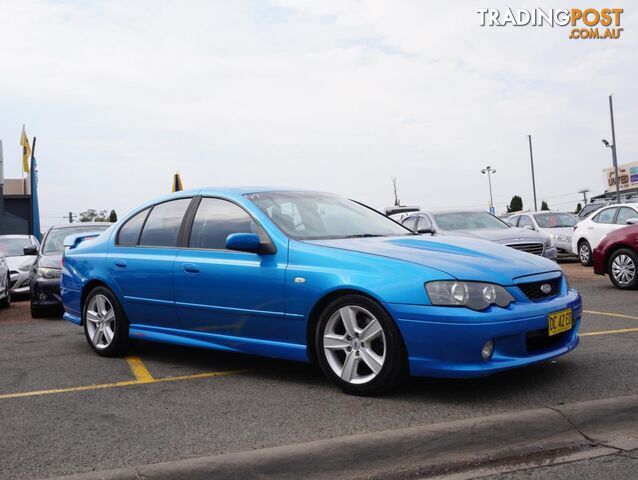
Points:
x=613 y=250
x=320 y=305
x=88 y=286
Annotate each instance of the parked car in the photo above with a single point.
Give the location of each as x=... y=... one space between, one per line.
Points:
x=588 y=233
x=44 y=278
x=590 y=208
x=558 y=225
x=617 y=256
x=483 y=225
x=20 y=265
x=313 y=276
x=5 y=289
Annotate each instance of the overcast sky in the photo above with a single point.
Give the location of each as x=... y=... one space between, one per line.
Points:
x=331 y=95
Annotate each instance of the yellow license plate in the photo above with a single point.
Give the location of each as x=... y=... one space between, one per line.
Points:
x=558 y=322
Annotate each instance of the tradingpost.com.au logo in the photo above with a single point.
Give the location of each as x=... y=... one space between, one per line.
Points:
x=590 y=23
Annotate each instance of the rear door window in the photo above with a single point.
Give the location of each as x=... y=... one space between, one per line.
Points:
x=163 y=224
x=606 y=216
x=625 y=214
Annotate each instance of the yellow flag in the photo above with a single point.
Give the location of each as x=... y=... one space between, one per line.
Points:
x=26 y=151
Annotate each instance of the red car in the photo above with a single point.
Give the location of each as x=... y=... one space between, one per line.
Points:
x=617 y=256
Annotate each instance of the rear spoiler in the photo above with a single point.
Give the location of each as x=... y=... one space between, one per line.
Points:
x=401 y=209
x=72 y=241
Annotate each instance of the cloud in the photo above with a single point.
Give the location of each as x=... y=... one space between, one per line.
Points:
x=337 y=96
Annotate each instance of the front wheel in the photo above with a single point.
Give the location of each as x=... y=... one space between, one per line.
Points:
x=584 y=253
x=622 y=269
x=359 y=347
x=6 y=299
x=105 y=324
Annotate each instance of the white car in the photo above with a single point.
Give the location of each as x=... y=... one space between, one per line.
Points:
x=588 y=233
x=12 y=247
x=558 y=225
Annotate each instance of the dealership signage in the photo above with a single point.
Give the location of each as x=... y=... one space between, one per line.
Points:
x=627 y=176
x=588 y=23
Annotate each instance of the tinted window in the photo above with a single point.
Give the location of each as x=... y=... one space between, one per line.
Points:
x=625 y=214
x=525 y=222
x=162 y=226
x=410 y=223
x=54 y=241
x=606 y=216
x=130 y=232
x=215 y=220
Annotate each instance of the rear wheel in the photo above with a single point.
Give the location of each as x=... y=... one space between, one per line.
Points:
x=584 y=253
x=105 y=324
x=622 y=269
x=359 y=347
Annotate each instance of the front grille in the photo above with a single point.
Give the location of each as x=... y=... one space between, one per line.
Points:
x=534 y=248
x=534 y=290
x=539 y=340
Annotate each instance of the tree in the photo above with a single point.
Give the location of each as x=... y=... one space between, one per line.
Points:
x=544 y=205
x=516 y=204
x=92 y=215
x=113 y=216
x=579 y=207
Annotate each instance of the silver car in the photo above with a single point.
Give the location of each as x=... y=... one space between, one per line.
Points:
x=5 y=291
x=483 y=225
x=12 y=247
x=558 y=225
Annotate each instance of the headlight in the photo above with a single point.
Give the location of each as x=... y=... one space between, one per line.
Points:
x=474 y=295
x=559 y=237
x=49 y=273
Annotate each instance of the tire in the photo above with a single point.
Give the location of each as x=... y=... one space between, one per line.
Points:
x=6 y=300
x=356 y=364
x=622 y=269
x=584 y=253
x=105 y=323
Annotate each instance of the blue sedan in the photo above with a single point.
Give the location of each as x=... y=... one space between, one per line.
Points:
x=311 y=276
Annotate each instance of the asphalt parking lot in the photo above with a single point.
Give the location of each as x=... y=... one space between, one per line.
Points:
x=65 y=410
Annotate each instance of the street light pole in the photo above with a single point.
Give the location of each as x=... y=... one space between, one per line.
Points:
x=489 y=170
x=613 y=149
x=531 y=157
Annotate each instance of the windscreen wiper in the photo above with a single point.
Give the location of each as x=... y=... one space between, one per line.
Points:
x=364 y=235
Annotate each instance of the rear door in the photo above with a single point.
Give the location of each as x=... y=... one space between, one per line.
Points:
x=230 y=294
x=603 y=223
x=141 y=263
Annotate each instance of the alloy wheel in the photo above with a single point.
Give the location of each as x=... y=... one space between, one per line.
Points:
x=623 y=269
x=584 y=253
x=354 y=344
x=100 y=321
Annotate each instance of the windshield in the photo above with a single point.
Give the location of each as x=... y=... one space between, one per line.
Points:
x=314 y=216
x=12 y=247
x=54 y=242
x=468 y=221
x=555 y=220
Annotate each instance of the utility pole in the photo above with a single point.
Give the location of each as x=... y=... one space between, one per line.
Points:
x=531 y=157
x=71 y=215
x=584 y=192
x=489 y=170
x=613 y=148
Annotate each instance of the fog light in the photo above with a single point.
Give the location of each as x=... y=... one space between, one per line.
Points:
x=42 y=297
x=488 y=350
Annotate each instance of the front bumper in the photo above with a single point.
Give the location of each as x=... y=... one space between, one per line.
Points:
x=46 y=292
x=19 y=282
x=447 y=341
x=550 y=253
x=598 y=261
x=564 y=249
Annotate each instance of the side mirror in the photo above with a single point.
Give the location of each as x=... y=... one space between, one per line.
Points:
x=429 y=230
x=247 y=242
x=632 y=221
x=30 y=250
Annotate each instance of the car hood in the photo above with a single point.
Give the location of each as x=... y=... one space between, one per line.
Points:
x=460 y=257
x=16 y=262
x=53 y=260
x=501 y=235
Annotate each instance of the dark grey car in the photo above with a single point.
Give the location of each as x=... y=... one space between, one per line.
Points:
x=483 y=225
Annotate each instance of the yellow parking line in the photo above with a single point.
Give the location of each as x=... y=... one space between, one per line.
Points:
x=128 y=383
x=142 y=375
x=608 y=332
x=610 y=314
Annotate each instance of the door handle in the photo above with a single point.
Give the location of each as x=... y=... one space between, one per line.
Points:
x=119 y=263
x=190 y=268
